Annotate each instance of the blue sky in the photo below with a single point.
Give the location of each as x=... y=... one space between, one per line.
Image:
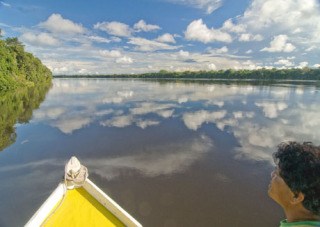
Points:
x=137 y=36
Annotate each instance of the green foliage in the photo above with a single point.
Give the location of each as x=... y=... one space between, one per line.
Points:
x=24 y=82
x=19 y=68
x=17 y=106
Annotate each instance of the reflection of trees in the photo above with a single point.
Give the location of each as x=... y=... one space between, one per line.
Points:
x=17 y=107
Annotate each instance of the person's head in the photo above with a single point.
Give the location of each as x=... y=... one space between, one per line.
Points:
x=296 y=179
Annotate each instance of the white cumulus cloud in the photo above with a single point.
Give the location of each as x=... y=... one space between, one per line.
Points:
x=198 y=31
x=141 y=25
x=124 y=60
x=280 y=44
x=284 y=62
x=114 y=28
x=246 y=37
x=110 y=53
x=166 y=38
x=57 y=24
x=119 y=122
x=217 y=51
x=184 y=54
x=303 y=64
x=228 y=25
x=299 y=18
x=42 y=39
x=272 y=109
x=212 y=66
x=221 y=50
x=195 y=120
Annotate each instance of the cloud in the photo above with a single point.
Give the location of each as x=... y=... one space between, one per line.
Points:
x=285 y=62
x=157 y=160
x=166 y=38
x=63 y=58
x=218 y=51
x=56 y=24
x=184 y=54
x=272 y=109
x=208 y=5
x=125 y=121
x=162 y=110
x=279 y=44
x=313 y=47
x=194 y=120
x=222 y=50
x=42 y=39
x=5 y=4
x=246 y=37
x=165 y=113
x=149 y=45
x=303 y=64
x=212 y=66
x=110 y=53
x=119 y=122
x=115 y=39
x=124 y=60
x=146 y=123
x=258 y=139
x=295 y=17
x=198 y=31
x=50 y=113
x=99 y=39
x=114 y=28
x=141 y=25
x=69 y=124
x=228 y=25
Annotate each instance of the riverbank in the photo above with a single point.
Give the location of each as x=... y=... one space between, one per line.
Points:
x=244 y=74
x=19 y=68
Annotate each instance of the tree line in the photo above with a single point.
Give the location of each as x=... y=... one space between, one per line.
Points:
x=24 y=82
x=19 y=68
x=242 y=74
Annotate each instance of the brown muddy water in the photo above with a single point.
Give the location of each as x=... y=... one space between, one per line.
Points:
x=170 y=153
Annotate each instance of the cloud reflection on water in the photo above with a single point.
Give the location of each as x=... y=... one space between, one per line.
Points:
x=154 y=161
x=271 y=109
x=259 y=117
x=195 y=120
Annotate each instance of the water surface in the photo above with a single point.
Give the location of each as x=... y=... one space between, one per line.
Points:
x=170 y=153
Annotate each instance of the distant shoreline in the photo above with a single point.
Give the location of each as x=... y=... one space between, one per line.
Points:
x=182 y=78
x=304 y=74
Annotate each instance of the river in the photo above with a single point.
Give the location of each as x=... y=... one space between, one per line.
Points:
x=172 y=153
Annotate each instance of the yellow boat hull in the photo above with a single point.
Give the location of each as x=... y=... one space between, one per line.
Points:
x=85 y=206
x=79 y=208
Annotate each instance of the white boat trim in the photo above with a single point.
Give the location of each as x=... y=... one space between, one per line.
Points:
x=44 y=211
x=110 y=204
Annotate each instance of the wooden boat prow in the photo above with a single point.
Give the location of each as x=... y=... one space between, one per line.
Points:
x=87 y=205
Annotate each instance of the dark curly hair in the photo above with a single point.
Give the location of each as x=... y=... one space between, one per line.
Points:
x=299 y=166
